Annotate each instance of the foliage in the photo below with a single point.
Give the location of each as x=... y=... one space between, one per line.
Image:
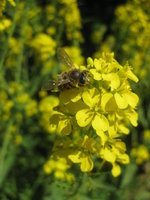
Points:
x=72 y=144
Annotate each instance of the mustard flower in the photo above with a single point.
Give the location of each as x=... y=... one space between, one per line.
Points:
x=46 y=105
x=44 y=45
x=141 y=154
x=5 y=24
x=2 y=6
x=134 y=41
x=93 y=118
x=59 y=167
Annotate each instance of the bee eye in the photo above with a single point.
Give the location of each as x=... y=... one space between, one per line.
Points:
x=75 y=75
x=83 y=78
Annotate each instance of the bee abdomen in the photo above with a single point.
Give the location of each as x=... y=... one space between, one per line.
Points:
x=68 y=85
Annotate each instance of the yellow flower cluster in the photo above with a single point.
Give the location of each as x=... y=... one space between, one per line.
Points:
x=6 y=105
x=72 y=19
x=44 y=46
x=133 y=22
x=60 y=169
x=141 y=154
x=5 y=24
x=18 y=100
x=93 y=118
x=46 y=105
x=3 y=5
x=75 y=53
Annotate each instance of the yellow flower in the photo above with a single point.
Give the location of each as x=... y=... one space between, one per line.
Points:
x=31 y=108
x=141 y=154
x=147 y=135
x=44 y=46
x=93 y=118
x=5 y=24
x=116 y=170
x=59 y=167
x=2 y=6
x=84 y=156
x=18 y=139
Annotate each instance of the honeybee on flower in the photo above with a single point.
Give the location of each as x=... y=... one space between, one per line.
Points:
x=72 y=78
x=99 y=112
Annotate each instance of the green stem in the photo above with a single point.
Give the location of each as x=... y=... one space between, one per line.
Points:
x=4 y=151
x=5 y=50
x=21 y=42
x=101 y=165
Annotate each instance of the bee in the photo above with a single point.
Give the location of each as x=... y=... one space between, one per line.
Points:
x=72 y=78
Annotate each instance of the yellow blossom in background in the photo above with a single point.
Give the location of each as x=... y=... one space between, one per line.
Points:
x=135 y=31
x=73 y=23
x=18 y=139
x=2 y=6
x=46 y=109
x=75 y=54
x=31 y=108
x=5 y=24
x=141 y=154
x=44 y=46
x=59 y=167
x=146 y=135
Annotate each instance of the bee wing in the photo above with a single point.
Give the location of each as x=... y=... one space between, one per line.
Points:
x=64 y=58
x=50 y=85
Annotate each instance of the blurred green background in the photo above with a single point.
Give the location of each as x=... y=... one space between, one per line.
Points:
x=30 y=33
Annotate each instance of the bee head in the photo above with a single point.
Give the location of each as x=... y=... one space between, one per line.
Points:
x=75 y=74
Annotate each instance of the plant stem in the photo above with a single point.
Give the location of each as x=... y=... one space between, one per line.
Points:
x=5 y=50
x=3 y=151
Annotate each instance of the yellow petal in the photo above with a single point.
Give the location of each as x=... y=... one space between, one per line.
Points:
x=90 y=62
x=64 y=127
x=96 y=75
x=75 y=158
x=133 y=117
x=123 y=129
x=70 y=95
x=132 y=76
x=97 y=64
x=102 y=136
x=108 y=155
x=108 y=102
x=116 y=170
x=86 y=164
x=131 y=98
x=100 y=122
x=124 y=159
x=113 y=78
x=112 y=131
x=120 y=101
x=84 y=117
x=91 y=97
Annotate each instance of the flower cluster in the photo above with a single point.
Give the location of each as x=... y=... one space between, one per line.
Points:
x=44 y=46
x=92 y=119
x=15 y=99
x=134 y=31
x=141 y=152
x=46 y=105
x=73 y=23
x=60 y=169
